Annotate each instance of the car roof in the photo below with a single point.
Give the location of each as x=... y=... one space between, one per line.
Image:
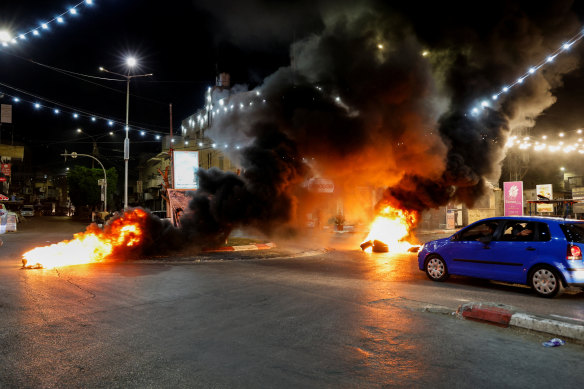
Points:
x=544 y=219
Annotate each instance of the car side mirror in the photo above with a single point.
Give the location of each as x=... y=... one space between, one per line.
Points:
x=455 y=237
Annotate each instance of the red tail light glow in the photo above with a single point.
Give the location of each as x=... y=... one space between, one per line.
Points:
x=574 y=253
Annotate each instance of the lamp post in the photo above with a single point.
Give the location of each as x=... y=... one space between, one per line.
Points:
x=130 y=62
x=75 y=155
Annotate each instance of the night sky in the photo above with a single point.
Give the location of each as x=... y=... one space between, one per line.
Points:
x=183 y=43
x=186 y=43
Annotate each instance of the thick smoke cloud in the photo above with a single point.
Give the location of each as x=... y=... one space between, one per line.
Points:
x=260 y=198
x=362 y=106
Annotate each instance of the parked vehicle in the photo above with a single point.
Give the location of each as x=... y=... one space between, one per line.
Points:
x=544 y=253
x=27 y=210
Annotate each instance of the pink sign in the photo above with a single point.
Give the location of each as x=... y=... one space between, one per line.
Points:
x=513 y=198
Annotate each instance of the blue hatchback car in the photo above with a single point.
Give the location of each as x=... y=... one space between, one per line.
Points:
x=544 y=253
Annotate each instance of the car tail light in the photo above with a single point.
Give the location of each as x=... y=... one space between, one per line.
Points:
x=574 y=253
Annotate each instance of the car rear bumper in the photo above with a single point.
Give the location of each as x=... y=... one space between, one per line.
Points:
x=574 y=276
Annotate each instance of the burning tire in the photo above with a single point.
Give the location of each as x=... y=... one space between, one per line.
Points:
x=380 y=247
x=436 y=269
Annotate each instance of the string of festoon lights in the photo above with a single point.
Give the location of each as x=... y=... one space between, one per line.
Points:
x=254 y=100
x=223 y=106
x=487 y=103
x=7 y=39
x=567 y=142
x=42 y=104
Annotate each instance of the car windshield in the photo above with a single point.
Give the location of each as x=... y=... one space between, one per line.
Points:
x=574 y=232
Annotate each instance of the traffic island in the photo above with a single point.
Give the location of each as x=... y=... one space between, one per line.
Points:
x=240 y=247
x=506 y=316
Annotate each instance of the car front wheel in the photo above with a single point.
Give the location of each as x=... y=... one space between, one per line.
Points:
x=545 y=281
x=436 y=269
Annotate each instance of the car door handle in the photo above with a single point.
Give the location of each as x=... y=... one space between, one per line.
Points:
x=530 y=249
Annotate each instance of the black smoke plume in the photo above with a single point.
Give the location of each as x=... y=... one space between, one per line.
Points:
x=260 y=198
x=375 y=100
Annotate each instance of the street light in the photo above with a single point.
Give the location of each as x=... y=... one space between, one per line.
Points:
x=5 y=36
x=75 y=155
x=130 y=62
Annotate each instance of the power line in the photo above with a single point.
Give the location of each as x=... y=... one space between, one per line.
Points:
x=79 y=76
x=76 y=113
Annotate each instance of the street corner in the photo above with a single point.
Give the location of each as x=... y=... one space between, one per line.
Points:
x=506 y=316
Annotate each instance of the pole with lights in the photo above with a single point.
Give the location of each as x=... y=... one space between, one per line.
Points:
x=130 y=62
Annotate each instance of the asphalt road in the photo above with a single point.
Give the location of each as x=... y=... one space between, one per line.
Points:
x=296 y=316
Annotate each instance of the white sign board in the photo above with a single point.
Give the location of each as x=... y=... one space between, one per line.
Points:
x=184 y=172
x=543 y=192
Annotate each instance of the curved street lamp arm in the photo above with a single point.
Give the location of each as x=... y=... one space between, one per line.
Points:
x=75 y=155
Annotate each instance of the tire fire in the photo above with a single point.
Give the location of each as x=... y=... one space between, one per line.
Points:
x=120 y=237
x=389 y=230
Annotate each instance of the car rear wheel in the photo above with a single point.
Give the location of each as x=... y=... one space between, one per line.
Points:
x=545 y=281
x=436 y=269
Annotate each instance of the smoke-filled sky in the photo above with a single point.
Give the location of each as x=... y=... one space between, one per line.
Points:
x=366 y=108
x=401 y=121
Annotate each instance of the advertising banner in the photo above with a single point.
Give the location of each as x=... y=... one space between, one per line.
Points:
x=5 y=168
x=544 y=192
x=185 y=166
x=513 y=198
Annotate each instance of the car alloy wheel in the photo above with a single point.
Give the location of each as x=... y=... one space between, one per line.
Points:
x=436 y=268
x=545 y=282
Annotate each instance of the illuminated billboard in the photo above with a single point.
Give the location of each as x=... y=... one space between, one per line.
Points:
x=185 y=166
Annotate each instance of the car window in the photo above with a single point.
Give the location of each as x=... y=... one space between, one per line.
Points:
x=574 y=232
x=479 y=230
x=518 y=230
x=525 y=231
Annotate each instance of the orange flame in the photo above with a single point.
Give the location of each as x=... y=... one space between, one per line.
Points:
x=93 y=245
x=391 y=227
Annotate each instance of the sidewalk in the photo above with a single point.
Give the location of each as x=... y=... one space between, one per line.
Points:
x=506 y=316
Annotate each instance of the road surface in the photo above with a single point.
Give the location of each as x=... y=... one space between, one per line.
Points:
x=290 y=317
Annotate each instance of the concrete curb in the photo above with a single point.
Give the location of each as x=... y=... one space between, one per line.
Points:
x=506 y=316
x=247 y=247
